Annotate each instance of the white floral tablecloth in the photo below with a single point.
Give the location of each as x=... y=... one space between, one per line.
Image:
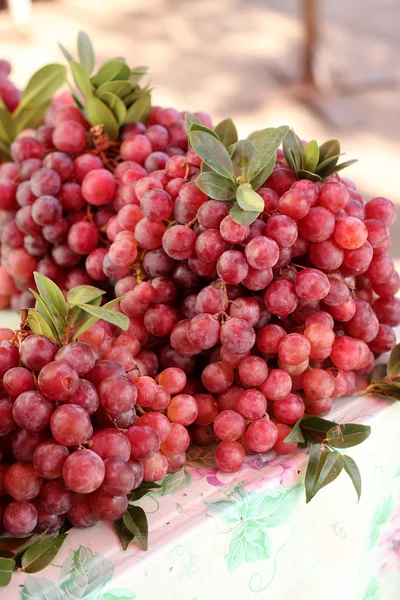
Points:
x=249 y=535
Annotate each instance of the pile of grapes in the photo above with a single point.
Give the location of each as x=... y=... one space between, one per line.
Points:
x=235 y=330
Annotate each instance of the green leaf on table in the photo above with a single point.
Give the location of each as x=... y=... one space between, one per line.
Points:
x=295 y=435
x=30 y=117
x=84 y=574
x=303 y=174
x=6 y=568
x=68 y=57
x=324 y=466
x=316 y=426
x=227 y=132
x=144 y=489
x=216 y=187
x=124 y=535
x=113 y=317
x=36 y=588
x=353 y=472
x=99 y=114
x=347 y=436
x=93 y=319
x=120 y=594
x=247 y=544
x=248 y=199
x=41 y=553
x=82 y=79
x=258 y=181
x=42 y=86
x=212 y=152
x=293 y=151
x=266 y=148
x=82 y=294
x=241 y=156
x=110 y=71
x=381 y=516
x=329 y=149
x=378 y=372
x=28 y=543
x=119 y=88
x=372 y=591
x=51 y=294
x=116 y=105
x=7 y=126
x=201 y=456
x=175 y=482
x=38 y=324
x=135 y=521
x=311 y=156
x=243 y=217
x=140 y=110
x=384 y=389
x=190 y=118
x=86 y=52
x=393 y=366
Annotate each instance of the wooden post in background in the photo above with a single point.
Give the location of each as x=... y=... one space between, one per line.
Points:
x=311 y=39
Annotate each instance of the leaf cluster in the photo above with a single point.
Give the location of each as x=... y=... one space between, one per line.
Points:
x=112 y=95
x=384 y=380
x=133 y=525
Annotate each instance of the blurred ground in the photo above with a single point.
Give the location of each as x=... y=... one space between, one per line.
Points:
x=226 y=57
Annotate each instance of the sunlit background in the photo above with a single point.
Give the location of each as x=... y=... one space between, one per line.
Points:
x=243 y=59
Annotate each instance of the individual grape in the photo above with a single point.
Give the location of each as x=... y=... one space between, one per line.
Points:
x=207 y=409
x=388 y=311
x=350 y=233
x=233 y=359
x=247 y=309
x=333 y=196
x=326 y=255
x=211 y=213
x=237 y=335
x=319 y=336
x=381 y=269
x=104 y=369
x=317 y=407
x=384 y=341
x=280 y=298
x=80 y=514
x=149 y=234
x=26 y=147
x=261 y=435
x=108 y=507
x=49 y=458
x=294 y=370
x=155 y=468
x=233 y=232
x=111 y=443
x=268 y=339
x=318 y=225
x=258 y=280
x=117 y=394
x=294 y=349
x=176 y=462
x=311 y=284
x=229 y=456
x=69 y=137
x=20 y=518
x=78 y=355
x=282 y=447
x=158 y=422
x=253 y=371
x=57 y=381
x=289 y=410
x=172 y=379
x=262 y=252
x=344 y=312
x=18 y=380
x=70 y=425
x=346 y=353
x=9 y=357
x=160 y=319
x=382 y=209
x=83 y=237
x=83 y=471
x=251 y=405
x=203 y=331
x=177 y=441
x=55 y=498
x=46 y=522
x=338 y=293
x=387 y=289
x=210 y=245
x=32 y=411
x=85 y=396
x=144 y=442
x=294 y=204
x=182 y=409
x=229 y=425
x=22 y=482
x=318 y=384
x=320 y=316
x=232 y=267
x=278 y=385
x=282 y=229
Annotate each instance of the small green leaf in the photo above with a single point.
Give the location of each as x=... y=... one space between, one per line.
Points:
x=119 y=88
x=295 y=435
x=216 y=187
x=137 y=74
x=323 y=468
x=316 y=426
x=258 y=136
x=135 y=95
x=378 y=372
x=113 y=317
x=5 y=149
x=116 y=105
x=337 y=168
x=140 y=110
x=227 y=132
x=258 y=181
x=6 y=568
x=30 y=117
x=144 y=489
x=110 y=71
x=201 y=127
x=42 y=86
x=81 y=79
x=327 y=164
x=293 y=150
x=99 y=114
x=68 y=57
x=92 y=320
x=52 y=319
x=38 y=324
x=266 y=148
x=248 y=199
x=41 y=553
x=7 y=126
x=353 y=472
x=212 y=152
x=124 y=535
x=384 y=389
x=82 y=294
x=243 y=217
x=303 y=174
x=135 y=521
x=241 y=156
x=329 y=149
x=28 y=543
x=190 y=118
x=51 y=294
x=85 y=52
x=311 y=156
x=347 y=436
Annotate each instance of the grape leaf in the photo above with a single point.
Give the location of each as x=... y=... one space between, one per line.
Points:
x=81 y=79
x=84 y=574
x=110 y=71
x=99 y=114
x=135 y=521
x=243 y=217
x=216 y=187
x=248 y=199
x=295 y=435
x=30 y=117
x=7 y=126
x=393 y=366
x=92 y=320
x=226 y=132
x=201 y=127
x=293 y=150
x=101 y=312
x=82 y=294
x=190 y=118
x=346 y=436
x=212 y=152
x=42 y=86
x=266 y=148
x=6 y=568
x=116 y=105
x=241 y=156
x=38 y=324
x=51 y=294
x=311 y=156
x=85 y=52
x=323 y=467
x=119 y=88
x=353 y=472
x=329 y=149
x=41 y=553
x=258 y=181
x=140 y=110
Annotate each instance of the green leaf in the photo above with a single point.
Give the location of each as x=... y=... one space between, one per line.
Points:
x=124 y=535
x=227 y=132
x=29 y=542
x=82 y=294
x=51 y=294
x=5 y=149
x=175 y=482
x=266 y=148
x=353 y=472
x=327 y=164
x=190 y=118
x=216 y=187
x=248 y=199
x=122 y=594
x=92 y=320
x=389 y=390
x=201 y=456
x=329 y=149
x=378 y=372
x=38 y=324
x=81 y=79
x=303 y=174
x=113 y=317
x=78 y=316
x=135 y=521
x=84 y=574
x=68 y=57
x=293 y=151
x=85 y=52
x=311 y=156
x=201 y=127
x=316 y=426
x=381 y=516
x=241 y=156
x=52 y=318
x=140 y=110
x=137 y=74
x=119 y=88
x=116 y=105
x=258 y=181
x=41 y=553
x=110 y=71
x=243 y=217
x=212 y=152
x=36 y=588
x=393 y=366
x=42 y=86
x=30 y=117
x=6 y=568
x=372 y=591
x=99 y=114
x=7 y=126
x=142 y=490
x=326 y=172
x=258 y=136
x=324 y=466
x=295 y=435
x=347 y=436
